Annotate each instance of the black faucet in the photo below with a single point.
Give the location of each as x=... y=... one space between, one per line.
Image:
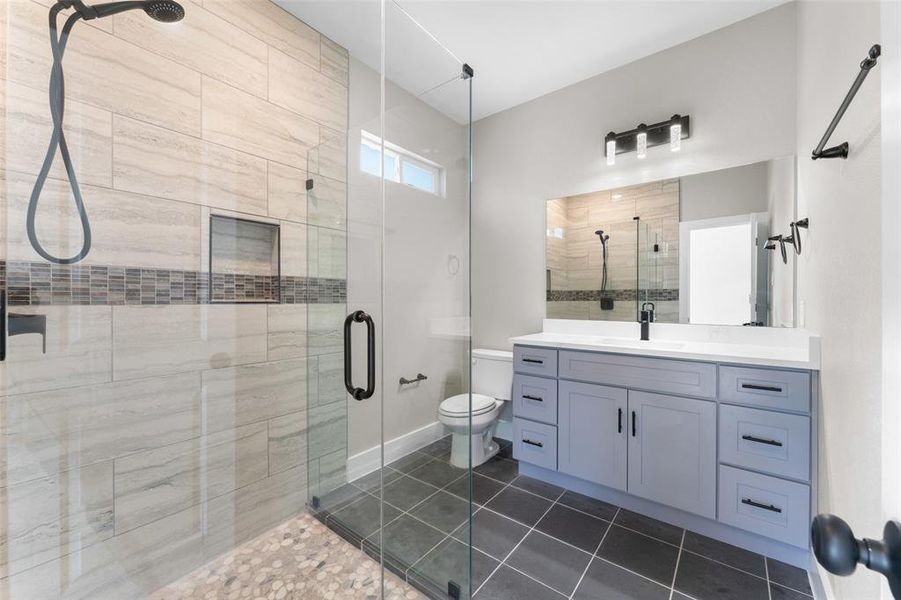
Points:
x=647 y=317
x=18 y=325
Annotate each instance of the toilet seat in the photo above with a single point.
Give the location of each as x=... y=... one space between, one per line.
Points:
x=458 y=406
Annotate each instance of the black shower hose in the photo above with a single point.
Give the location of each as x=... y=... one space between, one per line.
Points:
x=58 y=141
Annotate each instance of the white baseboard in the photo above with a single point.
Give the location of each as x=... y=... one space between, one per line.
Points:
x=369 y=460
x=821 y=584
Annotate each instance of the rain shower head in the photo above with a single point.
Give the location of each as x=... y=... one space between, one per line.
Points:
x=165 y=11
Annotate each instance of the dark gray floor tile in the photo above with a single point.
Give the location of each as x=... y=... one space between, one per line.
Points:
x=707 y=580
x=550 y=561
x=522 y=506
x=437 y=473
x=449 y=561
x=641 y=554
x=609 y=582
x=405 y=492
x=483 y=488
x=406 y=540
x=678 y=596
x=439 y=449
x=443 y=511
x=648 y=526
x=549 y=491
x=410 y=462
x=588 y=505
x=507 y=584
x=788 y=576
x=573 y=527
x=361 y=519
x=725 y=553
x=777 y=592
x=492 y=534
x=502 y=469
x=372 y=481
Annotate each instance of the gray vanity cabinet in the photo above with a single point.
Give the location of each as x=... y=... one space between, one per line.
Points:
x=672 y=451
x=592 y=430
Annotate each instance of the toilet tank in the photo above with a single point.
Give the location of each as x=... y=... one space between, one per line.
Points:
x=492 y=373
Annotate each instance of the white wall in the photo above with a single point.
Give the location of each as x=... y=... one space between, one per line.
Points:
x=839 y=270
x=781 y=193
x=422 y=233
x=551 y=147
x=724 y=193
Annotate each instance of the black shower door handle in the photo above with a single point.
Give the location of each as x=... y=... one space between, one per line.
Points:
x=359 y=393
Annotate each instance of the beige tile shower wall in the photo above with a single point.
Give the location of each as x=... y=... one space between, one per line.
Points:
x=150 y=439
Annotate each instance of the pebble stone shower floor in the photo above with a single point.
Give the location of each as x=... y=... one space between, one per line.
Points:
x=298 y=560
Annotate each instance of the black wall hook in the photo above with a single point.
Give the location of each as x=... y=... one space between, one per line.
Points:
x=841 y=151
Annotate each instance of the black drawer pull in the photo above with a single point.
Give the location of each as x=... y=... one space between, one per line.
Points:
x=537 y=361
x=768 y=507
x=634 y=418
x=535 y=398
x=531 y=443
x=763 y=388
x=619 y=416
x=758 y=440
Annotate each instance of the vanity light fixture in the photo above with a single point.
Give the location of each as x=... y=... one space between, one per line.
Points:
x=641 y=142
x=672 y=132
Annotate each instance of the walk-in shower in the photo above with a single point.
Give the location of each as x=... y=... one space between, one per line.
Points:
x=172 y=392
x=165 y=11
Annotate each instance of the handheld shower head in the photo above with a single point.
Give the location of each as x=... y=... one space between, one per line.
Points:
x=165 y=11
x=600 y=234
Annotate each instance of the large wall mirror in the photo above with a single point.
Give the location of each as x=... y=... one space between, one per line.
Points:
x=692 y=249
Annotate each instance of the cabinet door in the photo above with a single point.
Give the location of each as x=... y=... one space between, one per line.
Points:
x=592 y=433
x=672 y=451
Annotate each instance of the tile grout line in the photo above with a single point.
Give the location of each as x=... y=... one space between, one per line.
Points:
x=766 y=571
x=672 y=589
x=596 y=550
x=519 y=543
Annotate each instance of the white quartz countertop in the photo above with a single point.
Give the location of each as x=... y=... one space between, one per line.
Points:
x=795 y=351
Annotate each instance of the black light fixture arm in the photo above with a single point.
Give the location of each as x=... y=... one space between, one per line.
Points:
x=841 y=151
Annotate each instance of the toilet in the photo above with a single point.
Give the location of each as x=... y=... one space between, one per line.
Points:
x=492 y=383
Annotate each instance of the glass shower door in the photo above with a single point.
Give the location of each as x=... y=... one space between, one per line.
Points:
x=379 y=464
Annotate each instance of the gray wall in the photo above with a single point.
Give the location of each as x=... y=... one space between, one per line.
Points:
x=839 y=276
x=724 y=193
x=421 y=233
x=552 y=147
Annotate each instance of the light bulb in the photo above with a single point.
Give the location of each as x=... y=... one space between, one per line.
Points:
x=641 y=144
x=675 y=137
x=611 y=152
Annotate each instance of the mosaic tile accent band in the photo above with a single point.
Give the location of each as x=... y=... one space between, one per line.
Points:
x=35 y=283
x=625 y=295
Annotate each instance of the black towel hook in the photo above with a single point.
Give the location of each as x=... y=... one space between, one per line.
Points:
x=841 y=151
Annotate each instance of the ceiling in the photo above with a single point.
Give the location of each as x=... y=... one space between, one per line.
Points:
x=519 y=50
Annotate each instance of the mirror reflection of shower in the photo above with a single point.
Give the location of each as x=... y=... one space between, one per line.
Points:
x=606 y=303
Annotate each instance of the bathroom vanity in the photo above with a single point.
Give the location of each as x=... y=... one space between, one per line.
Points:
x=715 y=432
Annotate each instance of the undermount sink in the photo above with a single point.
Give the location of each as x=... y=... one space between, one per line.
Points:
x=650 y=345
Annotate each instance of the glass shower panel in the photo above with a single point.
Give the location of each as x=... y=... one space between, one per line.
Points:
x=154 y=407
x=426 y=297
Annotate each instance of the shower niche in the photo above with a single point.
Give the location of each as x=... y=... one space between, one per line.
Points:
x=245 y=261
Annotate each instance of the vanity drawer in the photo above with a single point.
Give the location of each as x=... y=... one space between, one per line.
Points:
x=535 y=443
x=763 y=440
x=639 y=373
x=784 y=390
x=771 y=507
x=535 y=361
x=535 y=398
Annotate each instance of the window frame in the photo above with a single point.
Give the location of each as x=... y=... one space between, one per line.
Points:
x=403 y=157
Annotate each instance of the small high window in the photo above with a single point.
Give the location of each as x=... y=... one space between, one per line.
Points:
x=401 y=166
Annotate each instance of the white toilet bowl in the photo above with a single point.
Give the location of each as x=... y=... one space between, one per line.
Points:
x=478 y=441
